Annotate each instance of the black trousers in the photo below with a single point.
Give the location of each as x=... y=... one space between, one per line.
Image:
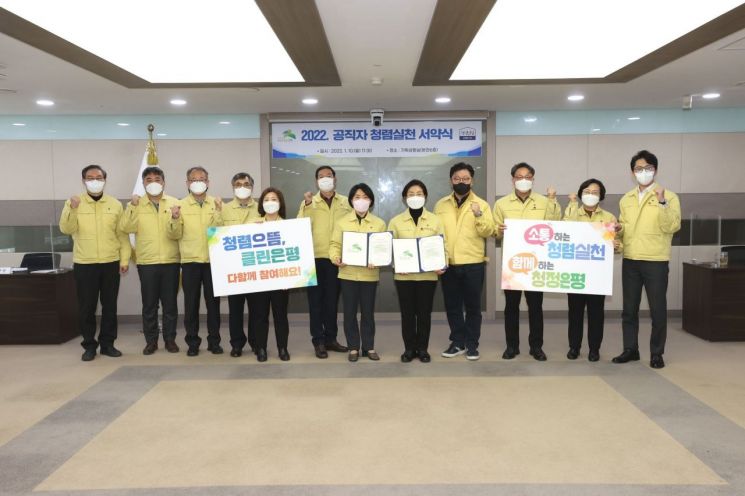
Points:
x=595 y=319
x=359 y=295
x=195 y=276
x=94 y=282
x=512 y=318
x=461 y=288
x=277 y=300
x=236 y=307
x=415 y=300
x=652 y=276
x=323 y=303
x=159 y=283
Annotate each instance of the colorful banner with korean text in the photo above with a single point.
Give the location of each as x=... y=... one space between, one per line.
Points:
x=249 y=258
x=362 y=139
x=558 y=257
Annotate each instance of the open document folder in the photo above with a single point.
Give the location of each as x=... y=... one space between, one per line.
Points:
x=363 y=249
x=419 y=254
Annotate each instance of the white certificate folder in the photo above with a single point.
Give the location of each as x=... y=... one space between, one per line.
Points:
x=363 y=249
x=419 y=254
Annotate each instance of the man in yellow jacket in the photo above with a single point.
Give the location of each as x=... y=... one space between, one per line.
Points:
x=157 y=258
x=467 y=222
x=188 y=224
x=324 y=209
x=241 y=210
x=101 y=253
x=650 y=215
x=524 y=203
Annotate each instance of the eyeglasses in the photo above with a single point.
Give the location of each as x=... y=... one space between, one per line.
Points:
x=519 y=178
x=465 y=179
x=649 y=168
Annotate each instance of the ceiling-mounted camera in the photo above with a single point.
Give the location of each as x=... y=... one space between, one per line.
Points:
x=376 y=117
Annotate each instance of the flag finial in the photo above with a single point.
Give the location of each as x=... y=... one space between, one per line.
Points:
x=152 y=153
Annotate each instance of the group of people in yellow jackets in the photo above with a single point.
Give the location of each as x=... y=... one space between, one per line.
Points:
x=171 y=240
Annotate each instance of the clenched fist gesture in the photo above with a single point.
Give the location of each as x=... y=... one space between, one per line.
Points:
x=551 y=193
x=175 y=212
x=74 y=201
x=476 y=209
x=218 y=204
x=135 y=200
x=308 y=196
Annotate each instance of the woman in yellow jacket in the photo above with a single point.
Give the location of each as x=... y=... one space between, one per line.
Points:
x=415 y=291
x=358 y=284
x=591 y=193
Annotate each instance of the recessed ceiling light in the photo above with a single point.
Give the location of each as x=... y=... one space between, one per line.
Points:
x=562 y=50
x=595 y=129
x=122 y=124
x=633 y=118
x=45 y=103
x=178 y=102
x=310 y=101
x=531 y=118
x=443 y=99
x=18 y=124
x=161 y=134
x=224 y=123
x=225 y=29
x=710 y=96
x=576 y=98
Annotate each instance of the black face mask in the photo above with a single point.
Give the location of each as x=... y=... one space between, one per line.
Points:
x=461 y=189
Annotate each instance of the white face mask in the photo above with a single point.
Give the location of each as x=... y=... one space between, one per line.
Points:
x=590 y=200
x=198 y=187
x=154 y=189
x=242 y=192
x=415 y=202
x=524 y=185
x=271 y=207
x=95 y=186
x=326 y=184
x=361 y=205
x=644 y=178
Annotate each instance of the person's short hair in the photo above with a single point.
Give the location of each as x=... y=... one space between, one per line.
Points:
x=333 y=172
x=589 y=182
x=462 y=166
x=242 y=175
x=522 y=165
x=414 y=182
x=648 y=157
x=197 y=168
x=365 y=189
x=153 y=170
x=281 y=197
x=92 y=167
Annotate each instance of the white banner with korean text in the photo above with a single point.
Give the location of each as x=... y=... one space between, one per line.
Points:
x=248 y=258
x=558 y=256
x=362 y=139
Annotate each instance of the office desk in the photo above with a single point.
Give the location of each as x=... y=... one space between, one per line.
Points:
x=714 y=302
x=38 y=308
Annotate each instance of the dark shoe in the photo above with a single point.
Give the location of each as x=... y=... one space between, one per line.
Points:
x=424 y=357
x=353 y=356
x=573 y=353
x=88 y=355
x=628 y=355
x=656 y=362
x=473 y=355
x=284 y=355
x=216 y=349
x=538 y=354
x=150 y=348
x=510 y=353
x=171 y=347
x=453 y=351
x=408 y=356
x=336 y=346
x=192 y=351
x=110 y=351
x=261 y=355
x=236 y=352
x=371 y=354
x=593 y=356
x=321 y=351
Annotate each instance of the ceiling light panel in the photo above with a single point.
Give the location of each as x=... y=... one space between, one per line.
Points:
x=221 y=41
x=546 y=39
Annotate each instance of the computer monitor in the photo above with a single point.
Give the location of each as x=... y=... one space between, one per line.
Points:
x=40 y=261
x=735 y=254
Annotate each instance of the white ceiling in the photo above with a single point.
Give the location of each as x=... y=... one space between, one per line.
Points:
x=368 y=38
